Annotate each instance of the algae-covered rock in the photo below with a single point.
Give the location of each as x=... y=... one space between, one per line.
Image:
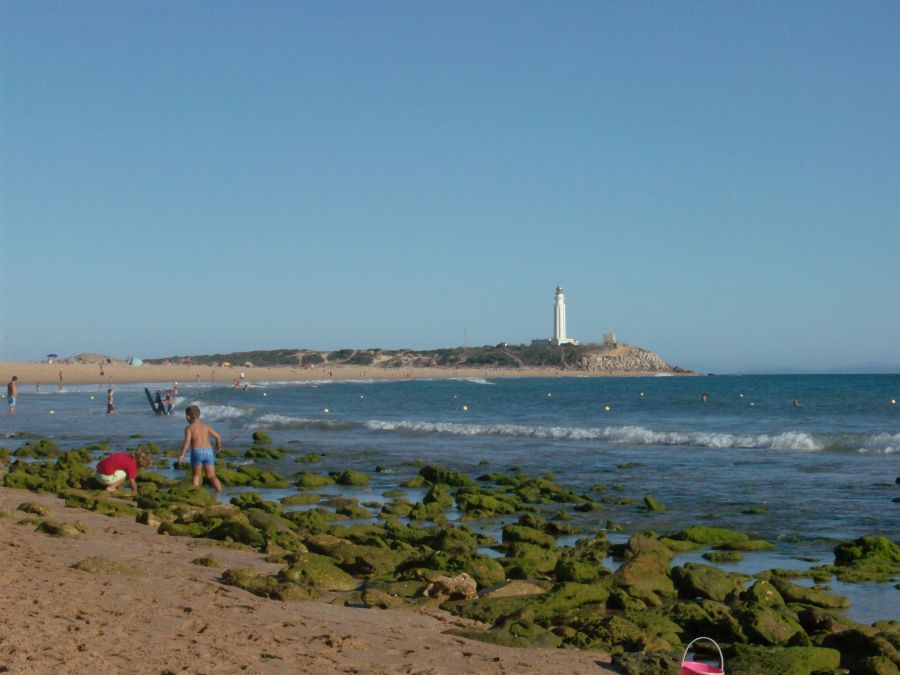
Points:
x=769 y=625
x=349 y=477
x=867 y=559
x=318 y=572
x=96 y=564
x=705 y=581
x=437 y=474
x=757 y=660
x=354 y=511
x=637 y=663
x=762 y=592
x=809 y=596
x=238 y=531
x=528 y=535
x=652 y=504
x=206 y=561
x=359 y=559
x=723 y=556
x=373 y=597
x=529 y=561
x=706 y=617
x=514 y=588
x=515 y=632
x=301 y=498
x=722 y=538
x=865 y=651
x=475 y=503
x=645 y=577
x=262 y=452
x=261 y=438
x=59 y=529
x=34 y=507
x=306 y=479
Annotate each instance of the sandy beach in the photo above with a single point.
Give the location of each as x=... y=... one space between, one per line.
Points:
x=48 y=374
x=153 y=611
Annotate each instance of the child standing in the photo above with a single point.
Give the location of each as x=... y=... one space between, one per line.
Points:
x=196 y=437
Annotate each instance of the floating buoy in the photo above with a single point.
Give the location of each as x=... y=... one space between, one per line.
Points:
x=361 y=396
x=549 y=394
x=52 y=412
x=741 y=395
x=465 y=407
x=326 y=410
x=893 y=401
x=264 y=393
x=642 y=393
x=606 y=408
x=92 y=398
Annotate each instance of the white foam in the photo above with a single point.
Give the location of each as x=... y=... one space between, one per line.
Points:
x=625 y=435
x=211 y=413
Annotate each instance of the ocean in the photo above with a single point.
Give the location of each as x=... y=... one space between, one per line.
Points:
x=747 y=458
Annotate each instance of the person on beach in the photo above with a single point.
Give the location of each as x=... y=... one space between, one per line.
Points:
x=60 y=380
x=12 y=393
x=110 y=406
x=196 y=437
x=118 y=467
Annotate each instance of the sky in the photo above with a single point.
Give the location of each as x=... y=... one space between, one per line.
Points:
x=716 y=182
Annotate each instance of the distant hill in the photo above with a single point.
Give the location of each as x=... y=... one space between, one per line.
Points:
x=588 y=357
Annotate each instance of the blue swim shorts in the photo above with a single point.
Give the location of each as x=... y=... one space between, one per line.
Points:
x=11 y=400
x=202 y=457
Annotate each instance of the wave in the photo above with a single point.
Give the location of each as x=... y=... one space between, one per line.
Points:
x=636 y=435
x=273 y=421
x=221 y=412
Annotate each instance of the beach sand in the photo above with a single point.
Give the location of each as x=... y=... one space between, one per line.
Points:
x=47 y=374
x=160 y=613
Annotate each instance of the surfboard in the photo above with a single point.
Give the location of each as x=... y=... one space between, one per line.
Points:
x=152 y=401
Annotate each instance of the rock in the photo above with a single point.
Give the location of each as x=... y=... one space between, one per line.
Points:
x=57 y=529
x=529 y=561
x=318 y=572
x=305 y=479
x=349 y=477
x=206 y=561
x=808 y=596
x=645 y=577
x=437 y=474
x=34 y=507
x=705 y=581
x=864 y=649
x=460 y=587
x=149 y=518
x=631 y=663
x=514 y=588
x=867 y=558
x=261 y=438
x=100 y=565
x=770 y=625
x=652 y=504
x=723 y=556
x=754 y=659
x=521 y=533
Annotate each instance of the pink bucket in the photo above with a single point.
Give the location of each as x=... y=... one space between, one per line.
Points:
x=698 y=667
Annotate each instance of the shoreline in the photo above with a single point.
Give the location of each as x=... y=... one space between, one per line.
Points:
x=117 y=619
x=47 y=374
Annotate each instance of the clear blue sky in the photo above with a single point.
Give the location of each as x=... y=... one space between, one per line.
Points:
x=717 y=182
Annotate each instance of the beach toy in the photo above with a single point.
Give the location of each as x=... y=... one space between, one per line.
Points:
x=698 y=667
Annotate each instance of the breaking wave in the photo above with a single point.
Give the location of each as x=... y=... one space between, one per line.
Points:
x=273 y=421
x=636 y=435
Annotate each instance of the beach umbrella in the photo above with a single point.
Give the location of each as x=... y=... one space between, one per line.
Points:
x=52 y=356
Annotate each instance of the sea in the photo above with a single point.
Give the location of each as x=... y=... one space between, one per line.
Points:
x=802 y=461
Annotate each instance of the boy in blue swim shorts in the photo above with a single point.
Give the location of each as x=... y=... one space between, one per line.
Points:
x=196 y=438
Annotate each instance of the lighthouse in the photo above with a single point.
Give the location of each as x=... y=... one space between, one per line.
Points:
x=559 y=320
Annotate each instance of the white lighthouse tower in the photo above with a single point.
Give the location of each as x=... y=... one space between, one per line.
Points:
x=559 y=320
